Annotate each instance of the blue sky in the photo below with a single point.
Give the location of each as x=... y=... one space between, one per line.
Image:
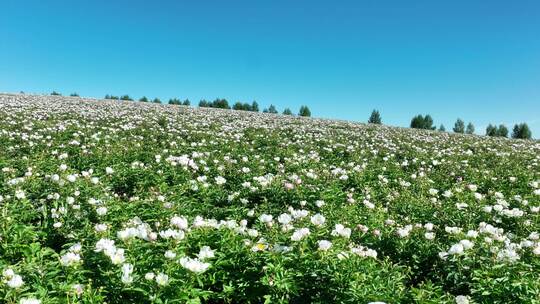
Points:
x=477 y=60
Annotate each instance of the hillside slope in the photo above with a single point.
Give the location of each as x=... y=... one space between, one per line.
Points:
x=129 y=202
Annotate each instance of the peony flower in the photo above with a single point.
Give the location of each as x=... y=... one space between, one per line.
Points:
x=318 y=219
x=324 y=245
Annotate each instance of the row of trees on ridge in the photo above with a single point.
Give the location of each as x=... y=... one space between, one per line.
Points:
x=419 y=121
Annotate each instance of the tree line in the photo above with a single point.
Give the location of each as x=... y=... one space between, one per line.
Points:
x=219 y=103
x=425 y=122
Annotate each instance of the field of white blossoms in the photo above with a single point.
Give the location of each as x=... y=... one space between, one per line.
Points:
x=125 y=202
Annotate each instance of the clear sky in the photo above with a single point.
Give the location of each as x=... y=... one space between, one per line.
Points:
x=478 y=60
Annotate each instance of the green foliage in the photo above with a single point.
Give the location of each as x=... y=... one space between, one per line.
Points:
x=491 y=130
x=156 y=100
x=459 y=126
x=521 y=131
x=502 y=131
x=271 y=109
x=422 y=122
x=442 y=128
x=375 y=118
x=175 y=101
x=143 y=99
x=74 y=95
x=126 y=98
x=54 y=93
x=287 y=111
x=304 y=111
x=90 y=189
x=186 y=102
x=470 y=128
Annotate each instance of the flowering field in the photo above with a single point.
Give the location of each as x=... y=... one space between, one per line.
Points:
x=124 y=202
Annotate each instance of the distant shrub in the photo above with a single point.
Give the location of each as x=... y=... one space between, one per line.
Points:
x=287 y=111
x=126 y=97
x=143 y=99
x=74 y=95
x=442 y=128
x=54 y=93
x=186 y=102
x=156 y=100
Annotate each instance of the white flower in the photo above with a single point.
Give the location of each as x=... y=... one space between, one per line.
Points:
x=220 y=180
x=324 y=245
x=466 y=244
x=20 y=194
x=162 y=279
x=340 y=230
x=429 y=235
x=78 y=289
x=265 y=218
x=194 y=265
x=319 y=203
x=180 y=222
x=100 y=227
x=205 y=253
x=284 y=218
x=101 y=211
x=8 y=273
x=127 y=270
x=149 y=276
x=462 y=300
x=318 y=219
x=299 y=234
x=15 y=281
x=109 y=170
x=29 y=301
x=456 y=249
x=169 y=254
x=70 y=259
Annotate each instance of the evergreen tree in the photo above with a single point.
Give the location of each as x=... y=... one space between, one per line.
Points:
x=428 y=123
x=186 y=102
x=238 y=106
x=491 y=130
x=174 y=101
x=417 y=122
x=287 y=111
x=470 y=128
x=156 y=100
x=125 y=97
x=502 y=131
x=304 y=111
x=442 y=128
x=54 y=93
x=254 y=106
x=203 y=103
x=143 y=99
x=107 y=96
x=521 y=131
x=74 y=95
x=375 y=118
x=459 y=126
x=272 y=109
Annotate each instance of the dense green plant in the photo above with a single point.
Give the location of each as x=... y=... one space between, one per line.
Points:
x=117 y=202
x=375 y=118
